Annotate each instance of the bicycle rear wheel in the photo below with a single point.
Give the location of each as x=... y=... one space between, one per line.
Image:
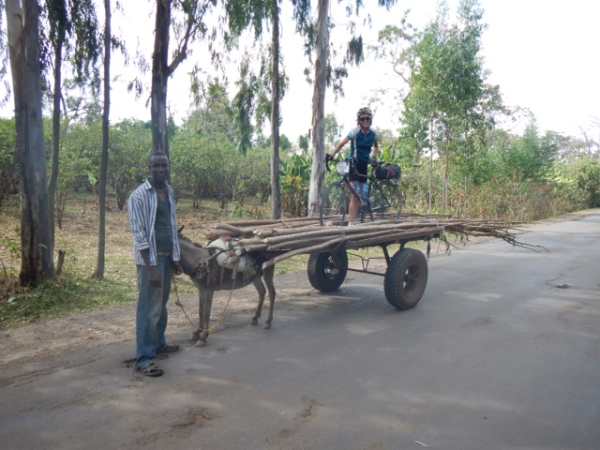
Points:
x=378 y=199
x=386 y=197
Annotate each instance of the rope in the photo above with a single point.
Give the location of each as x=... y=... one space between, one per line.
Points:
x=234 y=276
x=178 y=303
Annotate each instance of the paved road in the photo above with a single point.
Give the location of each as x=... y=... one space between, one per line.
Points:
x=503 y=352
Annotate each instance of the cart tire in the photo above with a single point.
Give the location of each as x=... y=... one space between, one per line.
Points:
x=327 y=270
x=406 y=278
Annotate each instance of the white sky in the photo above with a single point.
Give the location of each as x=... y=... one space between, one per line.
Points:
x=542 y=53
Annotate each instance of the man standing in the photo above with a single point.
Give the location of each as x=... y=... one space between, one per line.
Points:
x=153 y=223
x=363 y=139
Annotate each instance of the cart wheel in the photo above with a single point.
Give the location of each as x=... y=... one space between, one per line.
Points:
x=327 y=270
x=406 y=278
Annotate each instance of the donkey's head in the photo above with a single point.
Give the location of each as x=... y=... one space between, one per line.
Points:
x=195 y=259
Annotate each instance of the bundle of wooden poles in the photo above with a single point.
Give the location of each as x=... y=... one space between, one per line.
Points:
x=282 y=239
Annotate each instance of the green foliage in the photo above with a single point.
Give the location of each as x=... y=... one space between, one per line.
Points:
x=448 y=99
x=8 y=167
x=215 y=112
x=80 y=157
x=57 y=297
x=303 y=143
x=250 y=100
x=73 y=25
x=203 y=164
x=206 y=167
x=128 y=160
x=206 y=161
x=284 y=143
x=529 y=157
x=243 y=14
x=518 y=158
x=588 y=180
x=294 y=184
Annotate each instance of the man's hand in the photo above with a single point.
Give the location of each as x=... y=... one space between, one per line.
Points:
x=177 y=268
x=155 y=277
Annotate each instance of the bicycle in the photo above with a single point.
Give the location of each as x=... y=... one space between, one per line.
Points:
x=381 y=178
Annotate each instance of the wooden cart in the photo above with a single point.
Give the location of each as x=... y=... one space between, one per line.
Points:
x=404 y=280
x=328 y=243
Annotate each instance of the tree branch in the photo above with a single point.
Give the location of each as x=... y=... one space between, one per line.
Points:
x=181 y=52
x=191 y=28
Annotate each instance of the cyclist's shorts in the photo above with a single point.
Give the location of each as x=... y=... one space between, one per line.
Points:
x=362 y=189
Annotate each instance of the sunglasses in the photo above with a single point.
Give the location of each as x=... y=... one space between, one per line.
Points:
x=363 y=119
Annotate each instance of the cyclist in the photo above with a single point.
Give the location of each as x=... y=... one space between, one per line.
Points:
x=364 y=148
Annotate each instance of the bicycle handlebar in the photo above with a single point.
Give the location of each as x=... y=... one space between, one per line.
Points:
x=329 y=159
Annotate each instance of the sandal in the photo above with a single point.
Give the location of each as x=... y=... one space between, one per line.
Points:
x=166 y=349
x=150 y=370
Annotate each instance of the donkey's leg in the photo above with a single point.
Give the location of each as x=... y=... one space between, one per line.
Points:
x=206 y=314
x=204 y=300
x=258 y=284
x=198 y=332
x=268 y=277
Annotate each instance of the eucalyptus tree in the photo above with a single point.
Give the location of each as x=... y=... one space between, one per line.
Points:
x=243 y=14
x=59 y=27
x=325 y=74
x=244 y=102
x=317 y=173
x=72 y=35
x=275 y=115
x=99 y=273
x=192 y=25
x=23 y=29
x=449 y=105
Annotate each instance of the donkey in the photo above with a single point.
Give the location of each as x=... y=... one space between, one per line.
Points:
x=200 y=264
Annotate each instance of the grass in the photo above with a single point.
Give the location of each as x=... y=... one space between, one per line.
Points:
x=75 y=290
x=67 y=294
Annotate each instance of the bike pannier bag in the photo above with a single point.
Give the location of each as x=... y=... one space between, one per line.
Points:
x=388 y=172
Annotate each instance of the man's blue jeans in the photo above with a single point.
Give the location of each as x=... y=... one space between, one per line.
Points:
x=151 y=316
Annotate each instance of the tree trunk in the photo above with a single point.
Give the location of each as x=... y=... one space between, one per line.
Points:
x=430 y=193
x=160 y=77
x=99 y=274
x=446 y=170
x=23 y=40
x=58 y=48
x=275 y=184
x=317 y=173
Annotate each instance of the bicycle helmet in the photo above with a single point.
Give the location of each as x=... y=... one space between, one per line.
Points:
x=364 y=112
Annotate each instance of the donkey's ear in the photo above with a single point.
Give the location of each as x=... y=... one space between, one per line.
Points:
x=180 y=229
